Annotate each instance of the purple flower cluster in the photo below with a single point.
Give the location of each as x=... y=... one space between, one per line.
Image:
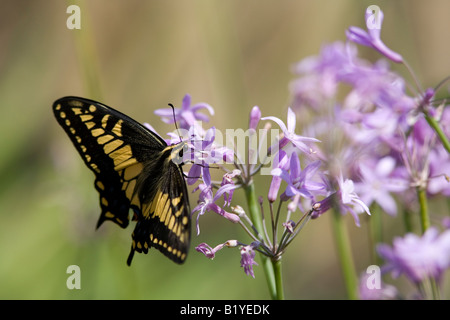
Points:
x=419 y=258
x=393 y=145
x=365 y=141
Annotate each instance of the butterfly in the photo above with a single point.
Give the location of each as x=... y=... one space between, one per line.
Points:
x=134 y=169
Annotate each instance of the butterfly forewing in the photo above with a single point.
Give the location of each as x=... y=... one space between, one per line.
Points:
x=133 y=171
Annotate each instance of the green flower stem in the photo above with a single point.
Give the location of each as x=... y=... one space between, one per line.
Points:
x=435 y=289
x=278 y=278
x=345 y=255
x=437 y=128
x=424 y=217
x=256 y=218
x=407 y=220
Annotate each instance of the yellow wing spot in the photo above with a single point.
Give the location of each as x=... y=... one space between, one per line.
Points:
x=151 y=236
x=145 y=245
x=152 y=205
x=139 y=245
x=105 y=120
x=100 y=185
x=77 y=111
x=168 y=216
x=178 y=253
x=104 y=201
x=90 y=124
x=118 y=128
x=160 y=242
x=97 y=132
x=108 y=214
x=183 y=256
x=133 y=171
x=169 y=249
x=88 y=157
x=125 y=164
x=178 y=233
x=78 y=139
x=155 y=240
x=95 y=167
x=174 y=252
x=103 y=139
x=121 y=155
x=92 y=108
x=86 y=117
x=62 y=115
x=181 y=237
x=58 y=107
x=130 y=189
x=111 y=146
x=119 y=221
x=72 y=130
x=133 y=244
x=174 y=228
x=83 y=148
x=67 y=122
x=161 y=202
x=185 y=220
x=179 y=212
x=165 y=212
x=171 y=222
x=176 y=201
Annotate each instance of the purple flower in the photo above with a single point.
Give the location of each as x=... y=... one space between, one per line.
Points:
x=369 y=291
x=378 y=183
x=228 y=179
x=320 y=75
x=207 y=203
x=349 y=199
x=371 y=38
x=211 y=252
x=299 y=181
x=255 y=116
x=418 y=257
x=248 y=258
x=376 y=85
x=187 y=115
x=345 y=200
x=289 y=132
x=204 y=154
x=283 y=164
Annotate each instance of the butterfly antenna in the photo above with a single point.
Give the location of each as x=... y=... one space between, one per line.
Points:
x=175 y=120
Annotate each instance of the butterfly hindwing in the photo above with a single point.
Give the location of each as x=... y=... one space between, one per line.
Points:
x=165 y=221
x=133 y=169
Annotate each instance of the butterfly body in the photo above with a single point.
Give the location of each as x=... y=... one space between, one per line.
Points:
x=134 y=169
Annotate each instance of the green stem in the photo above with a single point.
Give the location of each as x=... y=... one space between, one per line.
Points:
x=407 y=220
x=278 y=279
x=435 y=289
x=437 y=128
x=256 y=218
x=345 y=255
x=424 y=217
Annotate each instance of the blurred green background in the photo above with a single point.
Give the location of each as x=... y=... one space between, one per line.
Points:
x=138 y=56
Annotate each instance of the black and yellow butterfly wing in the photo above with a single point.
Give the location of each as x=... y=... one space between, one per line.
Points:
x=134 y=170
